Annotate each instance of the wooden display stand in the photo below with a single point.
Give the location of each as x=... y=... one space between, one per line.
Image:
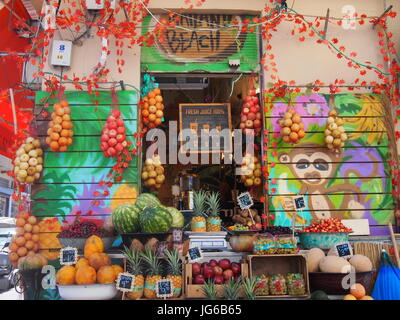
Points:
x=194 y=291
x=279 y=264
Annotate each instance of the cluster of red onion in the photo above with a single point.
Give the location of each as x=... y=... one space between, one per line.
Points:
x=335 y=134
x=292 y=128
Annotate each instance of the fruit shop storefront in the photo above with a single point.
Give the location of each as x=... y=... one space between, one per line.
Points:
x=258 y=208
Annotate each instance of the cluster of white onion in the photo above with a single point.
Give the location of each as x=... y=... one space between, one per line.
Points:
x=335 y=134
x=28 y=163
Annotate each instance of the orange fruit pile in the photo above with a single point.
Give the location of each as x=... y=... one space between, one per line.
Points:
x=59 y=133
x=152 y=109
x=292 y=128
x=25 y=241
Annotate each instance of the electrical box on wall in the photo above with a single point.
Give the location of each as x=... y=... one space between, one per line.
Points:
x=98 y=4
x=61 y=53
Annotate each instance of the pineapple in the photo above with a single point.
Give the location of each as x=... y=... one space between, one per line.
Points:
x=174 y=270
x=198 y=223
x=134 y=266
x=231 y=289
x=249 y=286
x=209 y=290
x=153 y=273
x=214 y=221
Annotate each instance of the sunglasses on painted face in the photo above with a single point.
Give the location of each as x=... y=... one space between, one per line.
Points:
x=319 y=164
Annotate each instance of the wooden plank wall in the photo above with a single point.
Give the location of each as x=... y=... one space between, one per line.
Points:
x=70 y=179
x=356 y=183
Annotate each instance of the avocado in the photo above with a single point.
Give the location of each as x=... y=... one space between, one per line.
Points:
x=319 y=295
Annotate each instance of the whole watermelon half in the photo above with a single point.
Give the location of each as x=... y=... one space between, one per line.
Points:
x=155 y=220
x=177 y=217
x=147 y=200
x=125 y=218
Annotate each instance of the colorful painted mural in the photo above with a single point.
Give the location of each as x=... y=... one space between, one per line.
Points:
x=71 y=179
x=352 y=184
x=202 y=48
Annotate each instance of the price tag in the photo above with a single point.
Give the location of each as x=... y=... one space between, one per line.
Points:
x=177 y=235
x=125 y=282
x=194 y=254
x=161 y=248
x=344 y=250
x=245 y=200
x=164 y=288
x=68 y=256
x=299 y=203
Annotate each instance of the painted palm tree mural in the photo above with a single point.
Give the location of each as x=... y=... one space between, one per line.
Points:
x=353 y=184
x=72 y=181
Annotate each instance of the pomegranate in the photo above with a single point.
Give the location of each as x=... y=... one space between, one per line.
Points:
x=224 y=264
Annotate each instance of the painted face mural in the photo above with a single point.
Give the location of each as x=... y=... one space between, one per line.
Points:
x=353 y=184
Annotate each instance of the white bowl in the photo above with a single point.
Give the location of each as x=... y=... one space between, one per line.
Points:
x=88 y=292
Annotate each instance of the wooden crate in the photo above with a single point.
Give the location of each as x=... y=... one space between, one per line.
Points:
x=279 y=263
x=194 y=291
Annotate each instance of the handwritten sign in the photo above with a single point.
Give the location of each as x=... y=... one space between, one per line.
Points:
x=201 y=43
x=344 y=250
x=194 y=254
x=205 y=127
x=125 y=282
x=245 y=200
x=164 y=288
x=68 y=256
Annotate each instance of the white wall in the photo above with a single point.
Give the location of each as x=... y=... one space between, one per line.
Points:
x=300 y=61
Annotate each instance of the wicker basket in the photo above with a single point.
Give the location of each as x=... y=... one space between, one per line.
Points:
x=331 y=283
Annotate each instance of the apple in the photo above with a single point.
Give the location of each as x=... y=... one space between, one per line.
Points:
x=112 y=142
x=235 y=267
x=252 y=92
x=246 y=110
x=218 y=279
x=258 y=116
x=213 y=263
x=111 y=151
x=242 y=125
x=121 y=130
x=104 y=137
x=112 y=133
x=224 y=264
x=120 y=122
x=119 y=147
x=104 y=146
x=112 y=125
x=116 y=113
x=257 y=123
x=243 y=118
x=248 y=99
x=254 y=109
x=196 y=268
x=111 y=119
x=218 y=271
x=121 y=137
x=258 y=226
x=249 y=124
x=208 y=272
x=199 y=279
x=228 y=273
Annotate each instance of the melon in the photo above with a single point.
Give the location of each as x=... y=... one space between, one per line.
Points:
x=332 y=252
x=177 y=217
x=147 y=200
x=125 y=218
x=334 y=264
x=155 y=220
x=361 y=263
x=313 y=258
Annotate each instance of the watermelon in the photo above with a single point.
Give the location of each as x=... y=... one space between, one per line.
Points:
x=125 y=218
x=177 y=217
x=155 y=220
x=147 y=200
